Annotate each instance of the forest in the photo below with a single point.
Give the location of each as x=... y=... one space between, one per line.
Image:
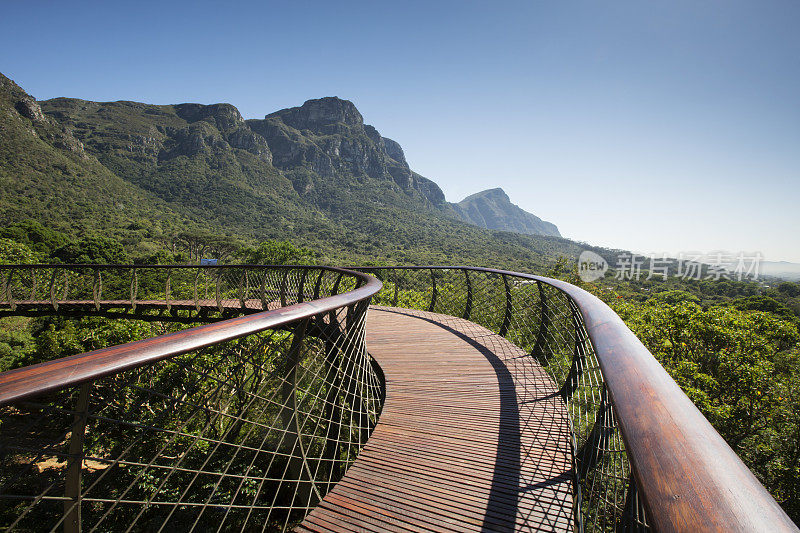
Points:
x=733 y=346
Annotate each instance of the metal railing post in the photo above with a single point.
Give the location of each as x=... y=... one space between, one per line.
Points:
x=195 y=291
x=217 y=289
x=244 y=287
x=302 y=286
x=34 y=285
x=433 y=292
x=468 y=304
x=291 y=418
x=262 y=293
x=593 y=449
x=167 y=290
x=97 y=288
x=72 y=482
x=53 y=299
x=284 y=287
x=632 y=519
x=134 y=288
x=544 y=325
x=571 y=382
x=509 y=309
x=318 y=284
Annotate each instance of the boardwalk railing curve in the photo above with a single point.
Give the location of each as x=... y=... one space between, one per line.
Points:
x=251 y=420
x=644 y=456
x=243 y=424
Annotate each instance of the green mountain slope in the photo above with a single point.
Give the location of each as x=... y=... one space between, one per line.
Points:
x=314 y=174
x=202 y=160
x=46 y=174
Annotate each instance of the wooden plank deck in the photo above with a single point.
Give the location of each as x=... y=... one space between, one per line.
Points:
x=471 y=437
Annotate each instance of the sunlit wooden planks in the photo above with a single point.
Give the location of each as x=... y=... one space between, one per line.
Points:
x=471 y=437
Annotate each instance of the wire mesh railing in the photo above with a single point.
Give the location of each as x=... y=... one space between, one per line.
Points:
x=546 y=323
x=244 y=424
x=162 y=292
x=644 y=456
x=247 y=423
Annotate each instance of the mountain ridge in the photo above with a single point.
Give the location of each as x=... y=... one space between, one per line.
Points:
x=492 y=209
x=335 y=183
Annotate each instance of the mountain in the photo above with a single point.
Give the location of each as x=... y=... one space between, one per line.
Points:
x=780 y=269
x=199 y=159
x=492 y=209
x=323 y=145
x=46 y=173
x=314 y=174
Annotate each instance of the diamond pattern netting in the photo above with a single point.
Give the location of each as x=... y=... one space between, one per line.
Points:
x=545 y=323
x=247 y=434
x=251 y=433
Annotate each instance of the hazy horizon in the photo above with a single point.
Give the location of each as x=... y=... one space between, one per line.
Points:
x=655 y=128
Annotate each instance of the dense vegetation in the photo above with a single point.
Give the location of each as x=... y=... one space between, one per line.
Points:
x=125 y=182
x=733 y=346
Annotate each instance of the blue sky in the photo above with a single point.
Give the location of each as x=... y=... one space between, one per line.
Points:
x=657 y=127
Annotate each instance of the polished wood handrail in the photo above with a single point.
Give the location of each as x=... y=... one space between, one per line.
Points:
x=45 y=377
x=689 y=477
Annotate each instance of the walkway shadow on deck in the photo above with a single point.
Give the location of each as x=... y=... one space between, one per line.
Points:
x=507 y=484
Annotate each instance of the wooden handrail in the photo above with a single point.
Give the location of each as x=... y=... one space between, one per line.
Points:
x=45 y=377
x=689 y=477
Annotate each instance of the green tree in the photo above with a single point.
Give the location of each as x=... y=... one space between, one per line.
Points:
x=278 y=253
x=13 y=252
x=741 y=369
x=93 y=250
x=34 y=235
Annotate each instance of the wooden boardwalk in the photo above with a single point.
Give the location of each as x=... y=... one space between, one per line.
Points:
x=471 y=437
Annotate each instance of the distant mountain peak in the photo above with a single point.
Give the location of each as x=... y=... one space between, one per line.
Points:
x=320 y=112
x=496 y=193
x=225 y=115
x=492 y=209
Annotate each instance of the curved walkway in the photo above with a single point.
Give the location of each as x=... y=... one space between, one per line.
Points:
x=471 y=437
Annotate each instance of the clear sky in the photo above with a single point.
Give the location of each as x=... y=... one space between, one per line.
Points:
x=653 y=126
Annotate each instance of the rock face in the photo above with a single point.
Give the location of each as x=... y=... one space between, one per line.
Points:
x=326 y=138
x=226 y=120
x=321 y=115
x=42 y=126
x=158 y=133
x=318 y=158
x=492 y=209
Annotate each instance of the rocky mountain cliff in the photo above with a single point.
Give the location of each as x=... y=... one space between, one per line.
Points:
x=492 y=209
x=325 y=138
x=314 y=173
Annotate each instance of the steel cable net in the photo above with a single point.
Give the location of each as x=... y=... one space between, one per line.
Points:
x=547 y=327
x=246 y=435
x=180 y=293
